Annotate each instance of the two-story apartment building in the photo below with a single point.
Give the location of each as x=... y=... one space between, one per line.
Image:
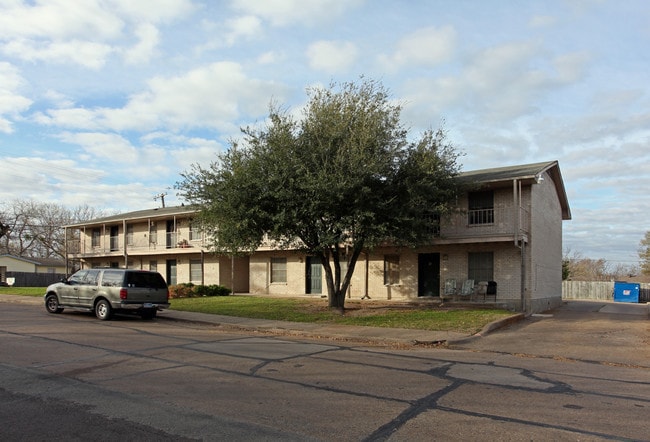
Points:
x=503 y=244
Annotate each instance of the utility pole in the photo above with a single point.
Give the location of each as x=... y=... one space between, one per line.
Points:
x=162 y=198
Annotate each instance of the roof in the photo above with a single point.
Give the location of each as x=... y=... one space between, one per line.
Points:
x=500 y=176
x=163 y=212
x=526 y=174
x=47 y=262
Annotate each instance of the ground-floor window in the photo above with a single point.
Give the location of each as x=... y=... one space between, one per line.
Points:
x=480 y=266
x=153 y=266
x=391 y=269
x=278 y=270
x=196 y=271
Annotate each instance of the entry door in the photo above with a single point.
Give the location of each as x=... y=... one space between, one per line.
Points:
x=171 y=272
x=314 y=275
x=429 y=274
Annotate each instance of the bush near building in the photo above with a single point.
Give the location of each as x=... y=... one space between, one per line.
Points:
x=189 y=290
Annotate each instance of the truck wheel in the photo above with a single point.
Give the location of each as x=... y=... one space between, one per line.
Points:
x=52 y=304
x=103 y=310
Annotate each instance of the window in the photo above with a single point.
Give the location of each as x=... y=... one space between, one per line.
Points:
x=96 y=236
x=480 y=266
x=195 y=232
x=153 y=233
x=391 y=269
x=153 y=266
x=91 y=277
x=196 y=271
x=481 y=207
x=278 y=270
x=115 y=238
x=112 y=278
x=129 y=235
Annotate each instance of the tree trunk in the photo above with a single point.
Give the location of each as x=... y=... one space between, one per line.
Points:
x=337 y=287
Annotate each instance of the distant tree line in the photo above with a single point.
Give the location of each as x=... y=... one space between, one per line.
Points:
x=32 y=229
x=578 y=268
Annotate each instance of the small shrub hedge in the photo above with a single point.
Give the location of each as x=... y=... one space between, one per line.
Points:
x=189 y=290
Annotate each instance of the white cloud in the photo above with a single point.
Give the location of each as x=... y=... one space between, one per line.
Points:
x=285 y=12
x=85 y=33
x=85 y=53
x=542 y=21
x=331 y=56
x=423 y=47
x=148 y=39
x=215 y=96
x=103 y=146
x=245 y=27
x=58 y=19
x=11 y=102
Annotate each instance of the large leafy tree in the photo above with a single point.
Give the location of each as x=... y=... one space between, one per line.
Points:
x=342 y=179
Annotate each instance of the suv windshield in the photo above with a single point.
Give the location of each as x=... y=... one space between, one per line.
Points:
x=145 y=280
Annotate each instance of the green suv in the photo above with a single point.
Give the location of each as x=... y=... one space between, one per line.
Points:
x=108 y=291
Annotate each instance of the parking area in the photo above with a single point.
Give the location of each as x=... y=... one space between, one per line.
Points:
x=591 y=331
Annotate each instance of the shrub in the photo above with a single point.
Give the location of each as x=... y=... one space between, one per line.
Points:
x=189 y=290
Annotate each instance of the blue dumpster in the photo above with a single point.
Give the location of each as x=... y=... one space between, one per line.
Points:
x=626 y=291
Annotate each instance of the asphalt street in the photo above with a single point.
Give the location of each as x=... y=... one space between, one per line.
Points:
x=580 y=372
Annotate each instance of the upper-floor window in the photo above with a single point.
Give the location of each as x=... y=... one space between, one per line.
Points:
x=129 y=234
x=115 y=238
x=153 y=233
x=195 y=231
x=96 y=235
x=480 y=207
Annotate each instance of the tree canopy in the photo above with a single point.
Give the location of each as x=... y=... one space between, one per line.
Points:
x=341 y=179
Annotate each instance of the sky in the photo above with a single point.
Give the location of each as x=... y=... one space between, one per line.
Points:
x=107 y=102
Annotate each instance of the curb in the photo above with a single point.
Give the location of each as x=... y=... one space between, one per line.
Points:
x=489 y=328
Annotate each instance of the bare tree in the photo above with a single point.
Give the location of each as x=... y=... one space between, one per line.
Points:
x=35 y=229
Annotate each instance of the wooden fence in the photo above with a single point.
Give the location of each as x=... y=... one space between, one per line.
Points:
x=598 y=291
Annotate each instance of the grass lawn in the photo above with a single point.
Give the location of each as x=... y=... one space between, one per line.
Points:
x=363 y=313
x=23 y=291
x=461 y=319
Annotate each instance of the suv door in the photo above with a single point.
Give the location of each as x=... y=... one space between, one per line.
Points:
x=69 y=290
x=88 y=288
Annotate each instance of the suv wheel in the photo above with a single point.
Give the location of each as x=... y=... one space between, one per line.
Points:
x=103 y=310
x=52 y=304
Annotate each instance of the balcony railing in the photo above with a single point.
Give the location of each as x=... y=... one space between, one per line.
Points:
x=496 y=222
x=114 y=245
x=481 y=224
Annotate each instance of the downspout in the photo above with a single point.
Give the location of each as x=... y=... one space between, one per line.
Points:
x=126 y=253
x=202 y=267
x=232 y=273
x=65 y=248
